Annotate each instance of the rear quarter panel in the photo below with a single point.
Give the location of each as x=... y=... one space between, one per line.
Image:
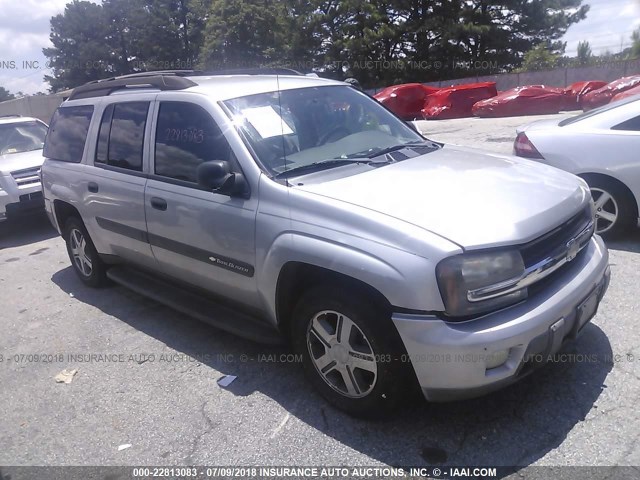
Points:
x=607 y=152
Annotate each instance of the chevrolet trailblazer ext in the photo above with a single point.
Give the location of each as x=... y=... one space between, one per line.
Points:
x=285 y=206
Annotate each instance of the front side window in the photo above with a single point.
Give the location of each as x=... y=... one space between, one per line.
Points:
x=121 y=136
x=186 y=136
x=68 y=133
x=300 y=127
x=21 y=137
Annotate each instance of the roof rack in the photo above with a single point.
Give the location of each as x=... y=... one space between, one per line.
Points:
x=101 y=88
x=164 y=80
x=11 y=115
x=250 y=71
x=210 y=73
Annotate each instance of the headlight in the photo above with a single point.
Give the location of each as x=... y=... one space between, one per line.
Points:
x=476 y=283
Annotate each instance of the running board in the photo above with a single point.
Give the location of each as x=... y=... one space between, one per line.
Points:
x=194 y=305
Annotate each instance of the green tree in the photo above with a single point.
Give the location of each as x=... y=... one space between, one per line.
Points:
x=238 y=34
x=540 y=57
x=584 y=53
x=168 y=34
x=635 y=46
x=80 y=52
x=93 y=41
x=445 y=39
x=243 y=34
x=5 y=95
x=358 y=39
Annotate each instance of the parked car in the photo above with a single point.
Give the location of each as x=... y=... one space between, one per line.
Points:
x=21 y=142
x=296 y=208
x=601 y=146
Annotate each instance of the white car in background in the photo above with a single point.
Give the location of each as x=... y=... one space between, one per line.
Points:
x=603 y=147
x=21 y=142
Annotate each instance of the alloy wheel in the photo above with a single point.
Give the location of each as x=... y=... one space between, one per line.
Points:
x=607 y=210
x=342 y=354
x=78 y=245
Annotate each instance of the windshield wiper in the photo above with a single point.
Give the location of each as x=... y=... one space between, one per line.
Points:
x=394 y=148
x=333 y=162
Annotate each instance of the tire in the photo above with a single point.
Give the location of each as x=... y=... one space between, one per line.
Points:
x=83 y=255
x=616 y=210
x=383 y=380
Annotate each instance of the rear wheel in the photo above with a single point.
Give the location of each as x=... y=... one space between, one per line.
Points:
x=615 y=207
x=351 y=351
x=83 y=255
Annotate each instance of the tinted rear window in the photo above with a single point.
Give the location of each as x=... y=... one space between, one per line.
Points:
x=68 y=133
x=121 y=136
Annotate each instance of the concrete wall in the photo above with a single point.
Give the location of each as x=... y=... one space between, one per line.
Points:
x=560 y=77
x=38 y=106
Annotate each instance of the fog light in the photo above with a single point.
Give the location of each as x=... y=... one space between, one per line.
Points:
x=497 y=359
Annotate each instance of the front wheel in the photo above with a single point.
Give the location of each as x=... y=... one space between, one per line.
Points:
x=615 y=212
x=83 y=254
x=351 y=352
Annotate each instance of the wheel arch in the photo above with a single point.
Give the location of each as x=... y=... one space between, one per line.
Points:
x=63 y=211
x=297 y=277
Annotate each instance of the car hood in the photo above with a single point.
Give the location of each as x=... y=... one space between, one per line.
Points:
x=19 y=161
x=473 y=198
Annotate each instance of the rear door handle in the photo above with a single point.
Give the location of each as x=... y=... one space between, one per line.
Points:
x=92 y=187
x=159 y=203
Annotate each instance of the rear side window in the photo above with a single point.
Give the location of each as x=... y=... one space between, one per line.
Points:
x=121 y=135
x=186 y=136
x=631 y=125
x=68 y=133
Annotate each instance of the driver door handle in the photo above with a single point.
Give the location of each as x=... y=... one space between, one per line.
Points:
x=159 y=203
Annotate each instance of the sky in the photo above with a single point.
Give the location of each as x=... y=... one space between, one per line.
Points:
x=24 y=32
x=608 y=25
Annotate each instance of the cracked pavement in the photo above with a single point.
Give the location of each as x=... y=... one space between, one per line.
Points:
x=159 y=392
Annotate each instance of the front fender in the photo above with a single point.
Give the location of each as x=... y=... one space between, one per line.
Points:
x=408 y=283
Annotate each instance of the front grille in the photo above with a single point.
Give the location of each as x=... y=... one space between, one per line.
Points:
x=28 y=176
x=31 y=196
x=544 y=247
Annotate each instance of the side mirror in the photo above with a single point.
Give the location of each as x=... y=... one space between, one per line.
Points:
x=216 y=176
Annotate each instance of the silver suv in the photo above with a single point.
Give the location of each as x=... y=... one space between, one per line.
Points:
x=289 y=207
x=21 y=141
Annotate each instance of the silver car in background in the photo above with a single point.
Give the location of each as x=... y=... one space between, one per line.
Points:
x=601 y=146
x=288 y=207
x=21 y=142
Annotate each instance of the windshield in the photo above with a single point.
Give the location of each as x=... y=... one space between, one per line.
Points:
x=597 y=111
x=21 y=137
x=291 y=129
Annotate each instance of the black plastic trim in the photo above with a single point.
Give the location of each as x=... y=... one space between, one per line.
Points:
x=202 y=255
x=128 y=171
x=180 y=248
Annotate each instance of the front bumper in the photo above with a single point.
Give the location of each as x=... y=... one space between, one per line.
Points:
x=451 y=359
x=16 y=201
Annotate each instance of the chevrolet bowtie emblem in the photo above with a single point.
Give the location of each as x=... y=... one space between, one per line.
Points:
x=573 y=247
